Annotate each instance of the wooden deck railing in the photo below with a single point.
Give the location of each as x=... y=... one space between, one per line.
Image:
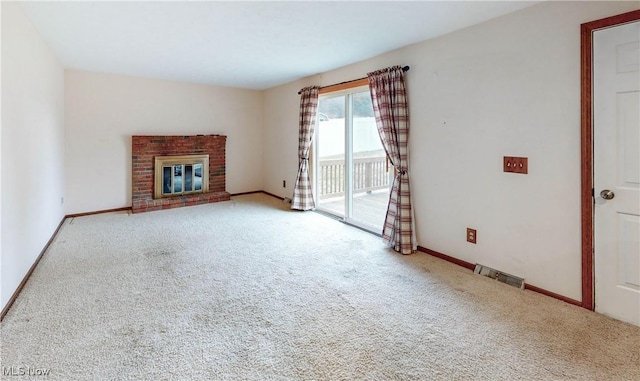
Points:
x=369 y=173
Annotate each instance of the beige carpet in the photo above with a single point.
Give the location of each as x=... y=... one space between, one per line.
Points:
x=249 y=290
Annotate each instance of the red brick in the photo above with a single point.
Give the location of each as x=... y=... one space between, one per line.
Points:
x=145 y=148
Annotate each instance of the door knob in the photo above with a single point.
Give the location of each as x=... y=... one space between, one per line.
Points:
x=607 y=194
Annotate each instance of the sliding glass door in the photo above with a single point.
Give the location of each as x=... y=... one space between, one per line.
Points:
x=351 y=173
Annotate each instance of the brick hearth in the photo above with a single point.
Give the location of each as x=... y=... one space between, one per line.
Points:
x=146 y=148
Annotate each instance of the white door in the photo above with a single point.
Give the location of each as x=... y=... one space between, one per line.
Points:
x=616 y=135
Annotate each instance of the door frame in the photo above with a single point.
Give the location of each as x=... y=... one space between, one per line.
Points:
x=586 y=140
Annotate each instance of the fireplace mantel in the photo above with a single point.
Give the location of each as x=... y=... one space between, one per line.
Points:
x=145 y=149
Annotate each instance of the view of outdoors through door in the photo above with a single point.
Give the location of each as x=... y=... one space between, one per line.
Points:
x=352 y=179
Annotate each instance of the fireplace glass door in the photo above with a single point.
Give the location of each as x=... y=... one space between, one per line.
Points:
x=179 y=179
x=178 y=175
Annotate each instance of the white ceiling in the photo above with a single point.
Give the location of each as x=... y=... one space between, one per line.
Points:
x=255 y=45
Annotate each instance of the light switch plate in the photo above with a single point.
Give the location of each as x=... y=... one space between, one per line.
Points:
x=515 y=164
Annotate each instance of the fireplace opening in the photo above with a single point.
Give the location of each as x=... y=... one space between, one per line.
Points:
x=180 y=175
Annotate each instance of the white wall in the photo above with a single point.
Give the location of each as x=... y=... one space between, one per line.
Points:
x=32 y=164
x=2 y=302
x=507 y=87
x=103 y=111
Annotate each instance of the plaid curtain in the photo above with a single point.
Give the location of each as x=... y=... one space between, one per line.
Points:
x=302 y=194
x=392 y=119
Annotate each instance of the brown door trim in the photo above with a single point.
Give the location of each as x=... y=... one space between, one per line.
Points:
x=586 y=88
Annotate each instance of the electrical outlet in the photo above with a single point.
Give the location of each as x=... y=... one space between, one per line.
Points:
x=472 y=235
x=514 y=164
x=61 y=200
x=284 y=183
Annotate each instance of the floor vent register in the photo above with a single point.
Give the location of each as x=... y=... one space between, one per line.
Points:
x=499 y=276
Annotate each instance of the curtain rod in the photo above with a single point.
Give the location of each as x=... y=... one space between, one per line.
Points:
x=406 y=68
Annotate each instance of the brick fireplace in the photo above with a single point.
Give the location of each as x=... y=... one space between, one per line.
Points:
x=144 y=151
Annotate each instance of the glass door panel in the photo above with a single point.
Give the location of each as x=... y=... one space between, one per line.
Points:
x=330 y=155
x=177 y=179
x=166 y=180
x=370 y=175
x=198 y=176
x=188 y=178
